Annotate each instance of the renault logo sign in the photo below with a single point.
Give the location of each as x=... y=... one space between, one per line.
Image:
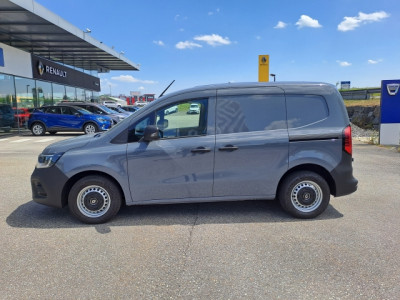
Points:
x=392 y=88
x=40 y=68
x=50 y=70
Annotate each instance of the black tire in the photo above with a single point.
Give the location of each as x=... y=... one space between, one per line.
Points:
x=94 y=199
x=38 y=129
x=90 y=128
x=304 y=194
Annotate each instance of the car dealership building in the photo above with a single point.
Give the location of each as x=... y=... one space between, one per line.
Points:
x=44 y=59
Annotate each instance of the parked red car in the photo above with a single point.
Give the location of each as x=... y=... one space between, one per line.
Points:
x=21 y=116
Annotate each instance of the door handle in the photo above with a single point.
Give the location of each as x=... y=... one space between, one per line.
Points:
x=200 y=150
x=228 y=148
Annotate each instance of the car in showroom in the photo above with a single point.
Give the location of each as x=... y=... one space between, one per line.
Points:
x=6 y=117
x=285 y=141
x=53 y=119
x=21 y=116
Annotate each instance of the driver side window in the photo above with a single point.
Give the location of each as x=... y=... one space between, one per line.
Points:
x=183 y=119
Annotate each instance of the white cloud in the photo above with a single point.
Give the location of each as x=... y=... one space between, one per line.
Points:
x=159 y=43
x=306 y=21
x=351 y=23
x=343 y=63
x=131 y=79
x=141 y=88
x=187 y=45
x=280 y=25
x=373 y=62
x=210 y=13
x=180 y=18
x=213 y=40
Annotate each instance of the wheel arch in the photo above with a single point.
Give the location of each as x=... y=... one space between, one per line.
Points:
x=40 y=122
x=90 y=122
x=78 y=176
x=312 y=168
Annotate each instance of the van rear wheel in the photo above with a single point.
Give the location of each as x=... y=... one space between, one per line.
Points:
x=304 y=194
x=94 y=199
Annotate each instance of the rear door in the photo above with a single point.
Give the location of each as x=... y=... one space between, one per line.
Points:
x=251 y=142
x=51 y=117
x=71 y=118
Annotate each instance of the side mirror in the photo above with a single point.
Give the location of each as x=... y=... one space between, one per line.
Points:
x=151 y=133
x=162 y=124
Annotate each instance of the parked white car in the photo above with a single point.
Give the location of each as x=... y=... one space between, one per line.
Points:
x=171 y=110
x=194 y=108
x=110 y=103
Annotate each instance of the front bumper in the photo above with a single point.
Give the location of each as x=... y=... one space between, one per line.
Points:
x=48 y=185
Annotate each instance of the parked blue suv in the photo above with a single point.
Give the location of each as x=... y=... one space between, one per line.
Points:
x=66 y=118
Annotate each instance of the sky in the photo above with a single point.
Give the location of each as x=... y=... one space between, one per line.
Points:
x=196 y=42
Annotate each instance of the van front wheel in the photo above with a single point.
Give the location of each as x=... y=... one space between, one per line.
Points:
x=304 y=194
x=94 y=199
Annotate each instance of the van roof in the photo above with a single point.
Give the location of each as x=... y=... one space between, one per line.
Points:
x=282 y=84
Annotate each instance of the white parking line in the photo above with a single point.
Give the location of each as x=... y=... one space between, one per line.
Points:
x=20 y=141
x=2 y=140
x=44 y=140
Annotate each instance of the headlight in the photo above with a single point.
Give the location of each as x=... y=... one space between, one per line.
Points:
x=47 y=160
x=102 y=120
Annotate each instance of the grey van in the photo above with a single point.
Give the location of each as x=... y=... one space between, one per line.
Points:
x=285 y=141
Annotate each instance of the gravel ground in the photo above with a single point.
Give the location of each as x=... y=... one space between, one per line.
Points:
x=358 y=132
x=368 y=136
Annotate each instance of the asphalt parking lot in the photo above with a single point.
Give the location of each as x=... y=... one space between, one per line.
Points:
x=231 y=250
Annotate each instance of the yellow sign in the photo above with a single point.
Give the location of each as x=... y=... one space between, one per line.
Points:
x=263 y=68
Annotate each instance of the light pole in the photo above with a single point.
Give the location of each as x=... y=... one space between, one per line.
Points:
x=273 y=75
x=110 y=89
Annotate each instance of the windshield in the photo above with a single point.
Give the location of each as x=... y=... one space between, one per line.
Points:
x=121 y=110
x=105 y=108
x=84 y=111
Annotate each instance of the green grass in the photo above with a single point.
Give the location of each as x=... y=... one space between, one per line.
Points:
x=370 y=102
x=183 y=107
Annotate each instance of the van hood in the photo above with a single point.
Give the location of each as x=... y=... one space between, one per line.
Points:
x=69 y=144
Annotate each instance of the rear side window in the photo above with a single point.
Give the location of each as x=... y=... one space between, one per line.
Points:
x=244 y=113
x=53 y=110
x=304 y=110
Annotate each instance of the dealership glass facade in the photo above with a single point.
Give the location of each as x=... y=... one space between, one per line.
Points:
x=23 y=94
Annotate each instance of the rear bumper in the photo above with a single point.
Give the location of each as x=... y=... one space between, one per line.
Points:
x=345 y=183
x=47 y=186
